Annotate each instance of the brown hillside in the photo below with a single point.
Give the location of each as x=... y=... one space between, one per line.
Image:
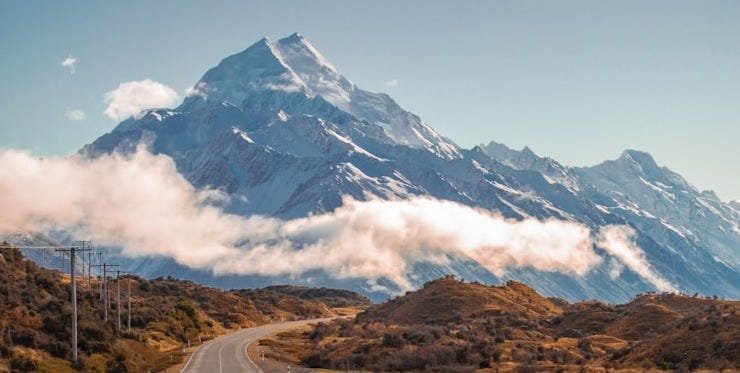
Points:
x=447 y=298
x=453 y=326
x=166 y=313
x=708 y=335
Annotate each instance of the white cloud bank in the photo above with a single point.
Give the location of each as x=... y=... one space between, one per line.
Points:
x=130 y=98
x=391 y=83
x=141 y=203
x=69 y=63
x=75 y=114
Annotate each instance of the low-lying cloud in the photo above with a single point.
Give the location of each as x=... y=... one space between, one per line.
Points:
x=142 y=204
x=619 y=242
x=130 y=98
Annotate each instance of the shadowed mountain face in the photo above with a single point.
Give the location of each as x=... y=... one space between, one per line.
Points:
x=284 y=134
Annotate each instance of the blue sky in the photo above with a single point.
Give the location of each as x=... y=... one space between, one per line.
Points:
x=576 y=80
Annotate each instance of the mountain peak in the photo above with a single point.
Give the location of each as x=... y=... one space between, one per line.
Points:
x=527 y=150
x=303 y=57
x=294 y=37
x=735 y=205
x=293 y=66
x=643 y=159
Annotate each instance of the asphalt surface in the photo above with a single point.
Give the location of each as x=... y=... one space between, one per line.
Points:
x=228 y=353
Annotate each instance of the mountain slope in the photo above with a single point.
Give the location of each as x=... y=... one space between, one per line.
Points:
x=695 y=228
x=635 y=179
x=279 y=130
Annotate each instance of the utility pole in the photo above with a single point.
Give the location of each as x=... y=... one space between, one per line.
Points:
x=72 y=251
x=100 y=264
x=104 y=286
x=103 y=275
x=72 y=271
x=128 y=294
x=118 y=298
x=89 y=270
x=87 y=243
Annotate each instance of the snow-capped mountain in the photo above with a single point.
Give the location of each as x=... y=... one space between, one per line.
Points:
x=645 y=194
x=526 y=159
x=281 y=131
x=640 y=186
x=292 y=69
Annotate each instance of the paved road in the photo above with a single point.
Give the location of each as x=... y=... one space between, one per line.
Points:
x=227 y=353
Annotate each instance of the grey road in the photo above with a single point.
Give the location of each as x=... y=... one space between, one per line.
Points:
x=228 y=353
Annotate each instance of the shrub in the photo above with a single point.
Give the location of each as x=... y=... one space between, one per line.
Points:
x=22 y=364
x=58 y=349
x=419 y=336
x=27 y=337
x=186 y=307
x=318 y=359
x=392 y=341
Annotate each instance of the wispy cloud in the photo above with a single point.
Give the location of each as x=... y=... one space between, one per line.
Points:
x=75 y=114
x=391 y=83
x=69 y=63
x=130 y=98
x=618 y=241
x=201 y=90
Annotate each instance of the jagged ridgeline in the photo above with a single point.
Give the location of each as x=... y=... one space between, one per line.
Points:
x=284 y=135
x=166 y=313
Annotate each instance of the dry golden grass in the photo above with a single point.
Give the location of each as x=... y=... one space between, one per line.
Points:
x=166 y=313
x=449 y=325
x=448 y=298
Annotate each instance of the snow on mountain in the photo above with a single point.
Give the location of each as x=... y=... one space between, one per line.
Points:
x=526 y=159
x=735 y=204
x=293 y=66
x=284 y=134
x=635 y=179
x=693 y=228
